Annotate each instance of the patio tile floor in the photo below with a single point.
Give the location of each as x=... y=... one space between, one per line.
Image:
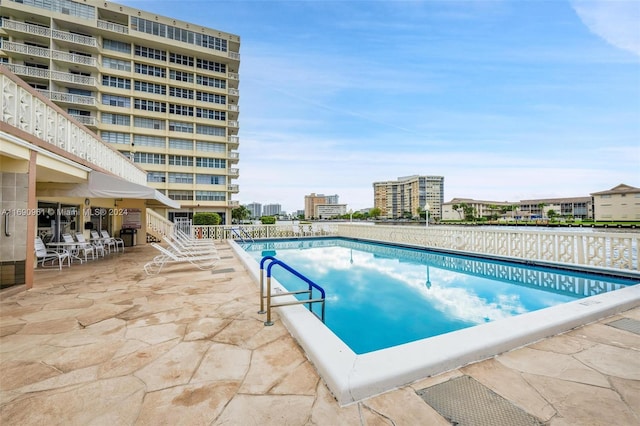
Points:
x=103 y=344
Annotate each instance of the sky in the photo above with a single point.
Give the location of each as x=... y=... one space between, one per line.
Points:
x=507 y=99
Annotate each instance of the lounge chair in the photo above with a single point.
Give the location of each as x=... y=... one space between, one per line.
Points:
x=119 y=242
x=44 y=254
x=202 y=261
x=107 y=243
x=78 y=248
x=97 y=245
x=189 y=248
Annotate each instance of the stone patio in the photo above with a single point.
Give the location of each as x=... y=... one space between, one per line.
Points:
x=103 y=344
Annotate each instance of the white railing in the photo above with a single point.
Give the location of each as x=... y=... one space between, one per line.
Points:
x=234 y=55
x=68 y=97
x=233 y=108
x=26 y=28
x=25 y=49
x=110 y=26
x=232 y=123
x=157 y=225
x=28 y=71
x=74 y=38
x=615 y=250
x=233 y=92
x=233 y=188
x=74 y=58
x=234 y=155
x=72 y=78
x=609 y=250
x=234 y=172
x=20 y=108
x=233 y=76
x=233 y=140
x=87 y=120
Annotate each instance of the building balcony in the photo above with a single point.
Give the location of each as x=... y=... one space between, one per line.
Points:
x=233 y=92
x=233 y=76
x=25 y=49
x=69 y=98
x=46 y=74
x=233 y=157
x=233 y=124
x=74 y=38
x=233 y=108
x=233 y=142
x=22 y=27
x=233 y=203
x=234 y=55
x=87 y=120
x=74 y=58
x=110 y=26
x=234 y=173
x=233 y=188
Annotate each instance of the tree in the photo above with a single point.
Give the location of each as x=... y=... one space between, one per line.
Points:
x=375 y=212
x=240 y=213
x=457 y=208
x=552 y=214
x=542 y=206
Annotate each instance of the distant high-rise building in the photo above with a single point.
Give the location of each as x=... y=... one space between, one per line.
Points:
x=164 y=92
x=409 y=195
x=271 y=209
x=255 y=209
x=313 y=199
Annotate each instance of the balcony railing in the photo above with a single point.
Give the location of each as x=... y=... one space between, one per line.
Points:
x=232 y=123
x=31 y=114
x=85 y=119
x=234 y=55
x=233 y=76
x=26 y=28
x=234 y=188
x=233 y=92
x=74 y=58
x=233 y=108
x=110 y=26
x=28 y=71
x=25 y=49
x=234 y=155
x=234 y=172
x=74 y=38
x=52 y=75
x=69 y=98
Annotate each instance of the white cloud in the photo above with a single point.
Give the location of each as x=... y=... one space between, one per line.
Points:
x=616 y=21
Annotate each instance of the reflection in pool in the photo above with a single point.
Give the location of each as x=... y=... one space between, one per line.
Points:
x=379 y=296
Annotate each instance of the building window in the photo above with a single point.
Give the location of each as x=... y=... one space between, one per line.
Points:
x=178 y=126
x=113 y=100
x=201 y=129
x=66 y=7
x=154 y=141
x=210 y=196
x=150 y=70
x=210 y=147
x=211 y=66
x=116 y=64
x=149 y=123
x=147 y=105
x=117 y=119
x=116 y=46
x=181 y=110
x=148 y=52
x=181 y=76
x=116 y=137
x=176 y=58
x=211 y=97
x=143 y=86
x=119 y=82
x=148 y=158
x=211 y=114
x=180 y=93
x=212 y=163
x=211 y=82
x=181 y=144
x=211 y=179
x=180 y=160
x=180 y=195
x=157 y=177
x=180 y=178
x=180 y=34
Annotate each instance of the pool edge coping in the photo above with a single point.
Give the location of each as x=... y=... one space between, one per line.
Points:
x=352 y=378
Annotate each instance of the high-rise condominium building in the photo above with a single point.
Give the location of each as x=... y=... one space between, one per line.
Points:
x=163 y=91
x=408 y=196
x=312 y=200
x=271 y=209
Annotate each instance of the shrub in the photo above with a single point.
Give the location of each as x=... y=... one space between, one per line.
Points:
x=206 y=218
x=268 y=220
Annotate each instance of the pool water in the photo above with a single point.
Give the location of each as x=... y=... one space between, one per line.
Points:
x=380 y=296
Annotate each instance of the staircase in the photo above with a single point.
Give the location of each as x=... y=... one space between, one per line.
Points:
x=158 y=226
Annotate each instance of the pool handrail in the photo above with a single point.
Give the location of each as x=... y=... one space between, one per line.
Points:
x=240 y=233
x=268 y=296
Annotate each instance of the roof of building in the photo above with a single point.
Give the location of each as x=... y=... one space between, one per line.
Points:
x=619 y=189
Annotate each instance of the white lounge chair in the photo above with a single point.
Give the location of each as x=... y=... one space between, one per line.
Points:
x=97 y=244
x=169 y=256
x=43 y=254
x=78 y=248
x=119 y=242
x=106 y=242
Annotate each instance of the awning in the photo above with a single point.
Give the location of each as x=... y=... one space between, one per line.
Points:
x=102 y=185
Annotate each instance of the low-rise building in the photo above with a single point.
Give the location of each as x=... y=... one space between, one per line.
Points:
x=620 y=203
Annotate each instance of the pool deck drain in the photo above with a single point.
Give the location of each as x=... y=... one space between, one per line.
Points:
x=627 y=324
x=465 y=402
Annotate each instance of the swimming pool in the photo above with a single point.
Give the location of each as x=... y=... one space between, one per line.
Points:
x=353 y=372
x=379 y=296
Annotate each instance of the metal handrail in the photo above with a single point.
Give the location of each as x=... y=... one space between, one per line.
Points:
x=268 y=295
x=239 y=235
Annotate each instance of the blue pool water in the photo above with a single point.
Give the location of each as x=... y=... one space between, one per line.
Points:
x=379 y=296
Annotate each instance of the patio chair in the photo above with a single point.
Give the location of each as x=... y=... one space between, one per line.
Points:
x=119 y=242
x=106 y=243
x=188 y=240
x=78 y=248
x=97 y=245
x=169 y=256
x=189 y=248
x=44 y=254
